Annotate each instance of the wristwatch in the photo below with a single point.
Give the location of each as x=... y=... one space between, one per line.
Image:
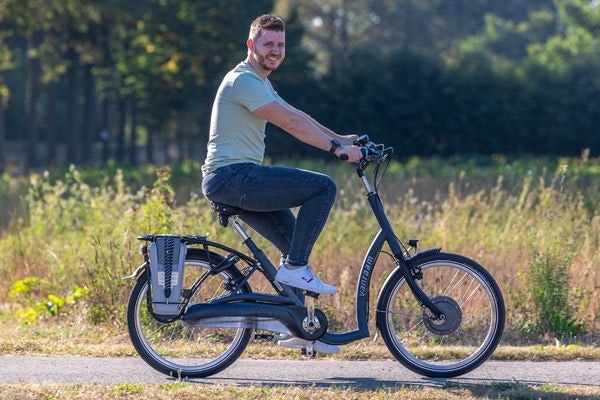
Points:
x=335 y=144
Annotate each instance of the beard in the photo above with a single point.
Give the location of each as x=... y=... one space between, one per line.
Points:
x=262 y=60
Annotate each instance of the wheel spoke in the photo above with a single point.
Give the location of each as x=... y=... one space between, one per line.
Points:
x=407 y=315
x=465 y=291
x=447 y=347
x=414 y=326
x=450 y=287
x=469 y=295
x=175 y=347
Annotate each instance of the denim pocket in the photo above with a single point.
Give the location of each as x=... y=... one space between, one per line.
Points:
x=220 y=186
x=212 y=183
x=228 y=194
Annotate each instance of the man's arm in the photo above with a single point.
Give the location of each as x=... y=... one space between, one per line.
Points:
x=344 y=139
x=304 y=128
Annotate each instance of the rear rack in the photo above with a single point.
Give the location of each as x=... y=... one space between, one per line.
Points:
x=187 y=239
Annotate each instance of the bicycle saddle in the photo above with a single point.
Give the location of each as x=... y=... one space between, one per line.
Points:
x=225 y=211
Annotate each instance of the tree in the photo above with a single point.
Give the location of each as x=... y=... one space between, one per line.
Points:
x=571 y=59
x=29 y=24
x=5 y=63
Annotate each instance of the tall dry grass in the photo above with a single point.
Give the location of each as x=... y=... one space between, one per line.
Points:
x=535 y=225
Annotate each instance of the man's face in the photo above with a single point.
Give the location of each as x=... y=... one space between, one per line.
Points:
x=269 y=49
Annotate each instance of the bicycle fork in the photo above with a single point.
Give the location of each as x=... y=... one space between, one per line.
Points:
x=388 y=232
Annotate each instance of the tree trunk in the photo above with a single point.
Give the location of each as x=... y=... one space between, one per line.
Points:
x=133 y=134
x=88 y=122
x=51 y=136
x=165 y=144
x=344 y=31
x=107 y=124
x=198 y=135
x=72 y=109
x=32 y=90
x=121 y=129
x=2 y=135
x=105 y=136
x=180 y=137
x=150 y=145
x=192 y=137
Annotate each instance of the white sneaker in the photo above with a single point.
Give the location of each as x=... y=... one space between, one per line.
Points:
x=303 y=278
x=317 y=345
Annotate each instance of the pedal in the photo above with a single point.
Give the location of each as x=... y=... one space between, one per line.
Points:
x=309 y=352
x=264 y=336
x=312 y=294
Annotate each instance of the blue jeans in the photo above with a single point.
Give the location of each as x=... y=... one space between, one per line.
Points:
x=268 y=193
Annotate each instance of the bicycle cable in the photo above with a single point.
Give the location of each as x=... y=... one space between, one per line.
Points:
x=385 y=157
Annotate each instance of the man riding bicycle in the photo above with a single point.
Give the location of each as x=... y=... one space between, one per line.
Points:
x=233 y=172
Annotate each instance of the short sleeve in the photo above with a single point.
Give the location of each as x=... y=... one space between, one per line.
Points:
x=252 y=93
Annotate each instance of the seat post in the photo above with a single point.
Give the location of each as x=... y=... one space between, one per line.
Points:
x=238 y=227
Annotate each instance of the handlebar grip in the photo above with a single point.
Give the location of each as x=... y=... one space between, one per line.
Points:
x=362 y=140
x=344 y=157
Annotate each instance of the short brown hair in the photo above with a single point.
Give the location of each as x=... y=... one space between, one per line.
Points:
x=269 y=22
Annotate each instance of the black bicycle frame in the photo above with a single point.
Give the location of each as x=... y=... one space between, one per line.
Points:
x=289 y=296
x=385 y=234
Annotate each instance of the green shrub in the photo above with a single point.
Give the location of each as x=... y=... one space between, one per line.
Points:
x=538 y=233
x=29 y=294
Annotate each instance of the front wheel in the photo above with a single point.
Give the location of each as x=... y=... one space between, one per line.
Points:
x=180 y=350
x=473 y=308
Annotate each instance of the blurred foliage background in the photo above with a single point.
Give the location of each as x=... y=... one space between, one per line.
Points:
x=491 y=106
x=85 y=82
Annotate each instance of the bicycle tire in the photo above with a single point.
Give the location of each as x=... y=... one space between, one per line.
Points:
x=179 y=350
x=470 y=297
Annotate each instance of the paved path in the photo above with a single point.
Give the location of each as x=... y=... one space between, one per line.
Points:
x=324 y=373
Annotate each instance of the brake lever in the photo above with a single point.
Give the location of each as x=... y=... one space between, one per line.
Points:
x=370 y=151
x=361 y=141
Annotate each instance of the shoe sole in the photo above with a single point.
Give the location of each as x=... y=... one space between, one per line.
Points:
x=301 y=346
x=304 y=288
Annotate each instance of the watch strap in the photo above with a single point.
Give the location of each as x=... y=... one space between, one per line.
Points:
x=335 y=144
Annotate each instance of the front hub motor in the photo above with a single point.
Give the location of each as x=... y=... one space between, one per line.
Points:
x=451 y=316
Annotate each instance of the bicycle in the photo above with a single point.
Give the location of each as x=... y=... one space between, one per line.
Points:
x=439 y=314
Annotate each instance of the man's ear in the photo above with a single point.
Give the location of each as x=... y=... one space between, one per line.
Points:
x=250 y=44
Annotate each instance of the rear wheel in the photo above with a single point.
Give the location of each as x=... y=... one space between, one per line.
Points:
x=175 y=348
x=473 y=308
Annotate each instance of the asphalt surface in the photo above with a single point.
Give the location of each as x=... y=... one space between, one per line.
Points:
x=320 y=373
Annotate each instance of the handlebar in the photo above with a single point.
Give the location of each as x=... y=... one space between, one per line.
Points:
x=372 y=153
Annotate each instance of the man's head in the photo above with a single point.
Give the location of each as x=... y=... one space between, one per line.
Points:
x=266 y=22
x=266 y=43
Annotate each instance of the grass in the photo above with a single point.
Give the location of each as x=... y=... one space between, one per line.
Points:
x=181 y=390
x=65 y=245
x=83 y=339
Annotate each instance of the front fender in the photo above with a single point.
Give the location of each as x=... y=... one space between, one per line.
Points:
x=398 y=271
